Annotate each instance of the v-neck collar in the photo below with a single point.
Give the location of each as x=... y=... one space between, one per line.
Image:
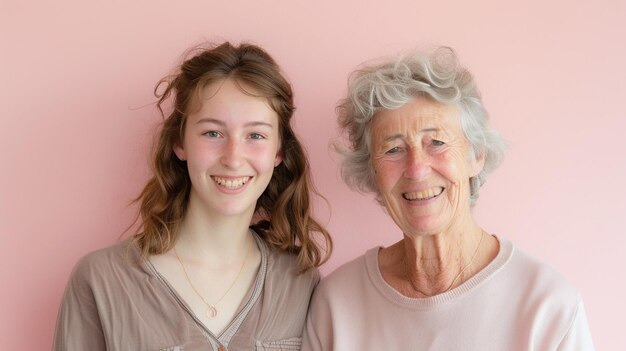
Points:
x=231 y=329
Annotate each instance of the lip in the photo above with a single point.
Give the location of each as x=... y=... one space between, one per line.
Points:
x=423 y=196
x=231 y=184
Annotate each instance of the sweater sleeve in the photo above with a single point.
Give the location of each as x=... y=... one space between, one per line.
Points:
x=578 y=337
x=318 y=330
x=78 y=323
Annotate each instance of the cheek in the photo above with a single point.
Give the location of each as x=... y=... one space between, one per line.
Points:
x=386 y=175
x=263 y=157
x=202 y=154
x=453 y=166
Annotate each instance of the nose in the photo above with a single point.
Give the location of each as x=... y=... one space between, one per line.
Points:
x=231 y=154
x=418 y=164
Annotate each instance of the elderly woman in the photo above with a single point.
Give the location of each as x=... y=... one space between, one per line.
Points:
x=419 y=141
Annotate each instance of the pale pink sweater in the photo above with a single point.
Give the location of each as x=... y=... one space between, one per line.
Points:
x=515 y=303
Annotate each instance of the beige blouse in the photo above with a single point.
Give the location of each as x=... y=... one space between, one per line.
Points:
x=116 y=301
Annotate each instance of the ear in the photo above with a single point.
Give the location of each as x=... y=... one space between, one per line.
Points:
x=278 y=160
x=179 y=150
x=477 y=163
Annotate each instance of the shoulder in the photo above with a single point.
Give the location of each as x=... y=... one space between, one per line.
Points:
x=98 y=276
x=340 y=295
x=539 y=283
x=539 y=272
x=543 y=296
x=347 y=278
x=349 y=270
x=285 y=298
x=121 y=258
x=282 y=269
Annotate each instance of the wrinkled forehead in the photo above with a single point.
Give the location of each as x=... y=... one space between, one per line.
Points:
x=417 y=116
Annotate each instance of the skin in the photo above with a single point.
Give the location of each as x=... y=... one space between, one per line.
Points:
x=422 y=165
x=231 y=145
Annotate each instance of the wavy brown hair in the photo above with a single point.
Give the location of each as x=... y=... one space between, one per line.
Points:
x=283 y=212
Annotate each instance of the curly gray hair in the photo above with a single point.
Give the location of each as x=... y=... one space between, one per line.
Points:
x=390 y=85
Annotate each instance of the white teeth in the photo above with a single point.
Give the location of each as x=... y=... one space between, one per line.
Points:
x=231 y=183
x=423 y=195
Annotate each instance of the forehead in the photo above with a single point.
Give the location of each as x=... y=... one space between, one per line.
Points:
x=229 y=98
x=419 y=115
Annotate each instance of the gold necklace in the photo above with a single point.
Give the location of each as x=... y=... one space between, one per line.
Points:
x=211 y=309
x=468 y=264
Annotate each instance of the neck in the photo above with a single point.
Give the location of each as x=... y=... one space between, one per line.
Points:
x=427 y=265
x=220 y=237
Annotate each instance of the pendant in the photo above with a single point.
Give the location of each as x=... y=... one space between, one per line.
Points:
x=211 y=311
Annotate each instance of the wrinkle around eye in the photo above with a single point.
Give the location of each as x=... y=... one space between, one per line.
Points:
x=385 y=156
x=393 y=151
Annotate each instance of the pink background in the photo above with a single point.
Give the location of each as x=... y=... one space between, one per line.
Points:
x=77 y=118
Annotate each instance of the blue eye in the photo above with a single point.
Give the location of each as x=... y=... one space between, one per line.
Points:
x=256 y=136
x=393 y=150
x=437 y=142
x=212 y=134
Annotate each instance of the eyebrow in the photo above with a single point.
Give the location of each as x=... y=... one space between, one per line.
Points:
x=221 y=123
x=400 y=136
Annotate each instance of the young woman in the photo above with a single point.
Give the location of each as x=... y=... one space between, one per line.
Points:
x=226 y=253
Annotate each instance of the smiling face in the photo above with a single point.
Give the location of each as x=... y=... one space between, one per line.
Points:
x=231 y=145
x=423 y=165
